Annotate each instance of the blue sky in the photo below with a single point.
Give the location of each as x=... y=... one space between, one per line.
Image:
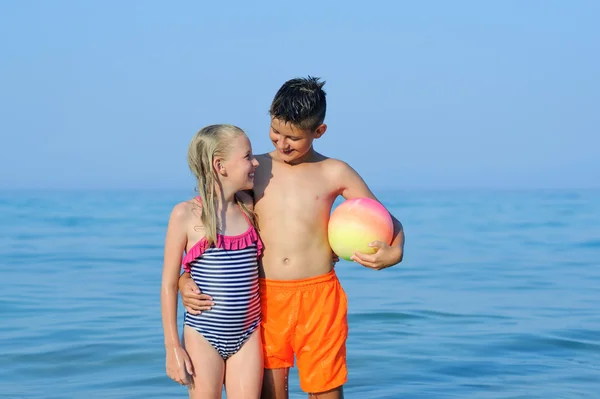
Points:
x=107 y=94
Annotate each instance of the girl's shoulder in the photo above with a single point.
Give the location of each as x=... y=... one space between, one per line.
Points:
x=187 y=211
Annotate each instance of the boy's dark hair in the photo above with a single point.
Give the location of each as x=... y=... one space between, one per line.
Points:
x=301 y=102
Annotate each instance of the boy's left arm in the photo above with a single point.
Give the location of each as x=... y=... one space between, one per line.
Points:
x=353 y=186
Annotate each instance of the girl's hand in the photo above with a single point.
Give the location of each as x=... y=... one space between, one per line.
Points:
x=385 y=256
x=179 y=365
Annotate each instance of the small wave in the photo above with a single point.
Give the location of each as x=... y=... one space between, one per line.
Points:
x=542 y=344
x=448 y=315
x=379 y=316
x=589 y=244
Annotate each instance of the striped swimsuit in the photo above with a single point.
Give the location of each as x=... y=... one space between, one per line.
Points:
x=228 y=272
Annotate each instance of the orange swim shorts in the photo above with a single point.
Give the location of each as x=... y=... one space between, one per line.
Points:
x=307 y=318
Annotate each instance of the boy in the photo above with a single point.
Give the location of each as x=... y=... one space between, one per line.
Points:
x=304 y=308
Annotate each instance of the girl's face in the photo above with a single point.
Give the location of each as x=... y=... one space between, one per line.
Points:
x=240 y=164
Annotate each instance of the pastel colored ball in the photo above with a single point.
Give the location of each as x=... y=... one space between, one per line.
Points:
x=356 y=223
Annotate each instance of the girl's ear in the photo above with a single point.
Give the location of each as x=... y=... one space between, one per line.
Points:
x=218 y=165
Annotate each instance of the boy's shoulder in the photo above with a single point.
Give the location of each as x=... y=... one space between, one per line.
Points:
x=335 y=166
x=266 y=156
x=341 y=175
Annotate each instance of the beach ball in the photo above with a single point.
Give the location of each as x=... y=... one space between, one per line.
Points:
x=356 y=223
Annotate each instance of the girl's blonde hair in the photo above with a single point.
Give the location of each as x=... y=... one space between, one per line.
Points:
x=210 y=142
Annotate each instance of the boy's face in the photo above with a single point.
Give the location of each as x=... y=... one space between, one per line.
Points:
x=292 y=143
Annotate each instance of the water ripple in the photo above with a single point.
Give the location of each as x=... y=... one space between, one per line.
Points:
x=497 y=298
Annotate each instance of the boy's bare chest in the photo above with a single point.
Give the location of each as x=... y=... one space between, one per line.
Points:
x=289 y=186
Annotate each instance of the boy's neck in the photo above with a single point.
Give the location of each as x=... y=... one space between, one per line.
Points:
x=310 y=156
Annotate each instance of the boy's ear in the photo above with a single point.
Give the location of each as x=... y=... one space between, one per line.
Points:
x=320 y=130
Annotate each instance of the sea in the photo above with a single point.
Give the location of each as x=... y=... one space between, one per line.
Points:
x=498 y=296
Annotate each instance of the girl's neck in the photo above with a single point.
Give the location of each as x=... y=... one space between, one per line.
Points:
x=224 y=204
x=225 y=199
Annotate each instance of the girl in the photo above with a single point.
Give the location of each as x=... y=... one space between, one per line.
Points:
x=216 y=230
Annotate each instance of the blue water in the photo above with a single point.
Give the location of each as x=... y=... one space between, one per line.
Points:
x=498 y=297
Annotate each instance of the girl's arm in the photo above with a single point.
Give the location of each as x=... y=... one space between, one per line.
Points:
x=175 y=242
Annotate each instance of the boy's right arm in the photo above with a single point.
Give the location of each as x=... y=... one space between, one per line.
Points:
x=193 y=300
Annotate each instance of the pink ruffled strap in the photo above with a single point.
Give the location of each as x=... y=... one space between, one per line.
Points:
x=241 y=241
